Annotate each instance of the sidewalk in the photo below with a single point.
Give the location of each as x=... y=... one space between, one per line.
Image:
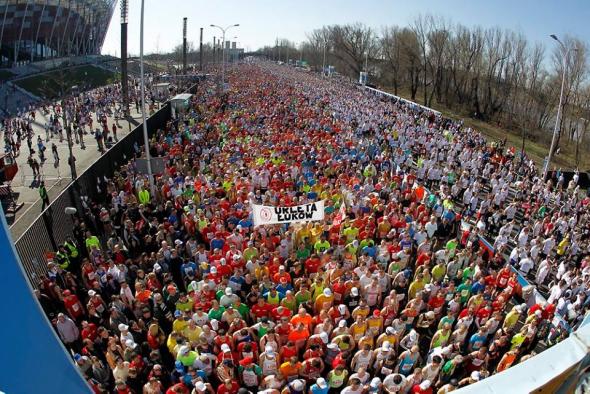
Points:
x=56 y=177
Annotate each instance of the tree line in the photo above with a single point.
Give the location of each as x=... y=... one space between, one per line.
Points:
x=492 y=74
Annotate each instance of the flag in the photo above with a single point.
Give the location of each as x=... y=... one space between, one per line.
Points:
x=339 y=218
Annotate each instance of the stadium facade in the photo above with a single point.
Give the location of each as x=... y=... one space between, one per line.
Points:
x=33 y=30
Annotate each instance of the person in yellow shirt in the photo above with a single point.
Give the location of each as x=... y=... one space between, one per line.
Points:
x=512 y=317
x=317 y=287
x=375 y=322
x=324 y=300
x=192 y=332
x=416 y=286
x=359 y=328
x=179 y=323
x=362 y=310
x=562 y=246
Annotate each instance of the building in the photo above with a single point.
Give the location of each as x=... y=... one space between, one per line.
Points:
x=33 y=30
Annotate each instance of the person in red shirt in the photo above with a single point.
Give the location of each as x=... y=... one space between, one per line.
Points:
x=260 y=310
x=312 y=264
x=281 y=274
x=89 y=331
x=422 y=388
x=279 y=312
x=229 y=386
x=73 y=305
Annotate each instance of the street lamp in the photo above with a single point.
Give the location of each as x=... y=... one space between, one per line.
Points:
x=146 y=139
x=324 y=60
x=223 y=50
x=565 y=50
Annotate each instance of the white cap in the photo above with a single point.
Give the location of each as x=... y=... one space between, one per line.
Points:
x=225 y=348
x=130 y=343
x=354 y=291
x=475 y=375
x=425 y=384
x=91 y=293
x=375 y=382
x=200 y=386
x=213 y=270
x=214 y=324
x=183 y=350
x=269 y=350
x=228 y=291
x=327 y=292
x=342 y=308
x=342 y=323
x=390 y=330
x=324 y=337
x=123 y=327
x=386 y=346
x=332 y=346
x=297 y=385
x=321 y=382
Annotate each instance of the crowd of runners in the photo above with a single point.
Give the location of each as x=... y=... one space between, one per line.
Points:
x=395 y=291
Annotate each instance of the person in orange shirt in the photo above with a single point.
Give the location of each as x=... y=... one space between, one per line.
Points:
x=281 y=274
x=507 y=360
x=302 y=317
x=290 y=369
x=299 y=335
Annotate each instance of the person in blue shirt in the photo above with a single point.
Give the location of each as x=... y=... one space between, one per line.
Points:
x=188 y=271
x=478 y=286
x=319 y=387
x=217 y=242
x=283 y=287
x=477 y=340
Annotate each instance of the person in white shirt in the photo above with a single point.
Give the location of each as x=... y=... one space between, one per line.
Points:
x=542 y=272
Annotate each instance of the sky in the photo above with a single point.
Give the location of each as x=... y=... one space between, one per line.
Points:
x=262 y=21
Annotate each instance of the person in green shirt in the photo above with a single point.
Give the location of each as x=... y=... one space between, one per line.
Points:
x=321 y=245
x=92 y=240
x=303 y=295
x=250 y=252
x=242 y=308
x=465 y=290
x=216 y=311
x=303 y=252
x=350 y=233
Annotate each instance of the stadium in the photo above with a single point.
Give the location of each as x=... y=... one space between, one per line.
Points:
x=360 y=212
x=37 y=30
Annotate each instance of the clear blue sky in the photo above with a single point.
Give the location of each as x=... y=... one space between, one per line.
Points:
x=261 y=21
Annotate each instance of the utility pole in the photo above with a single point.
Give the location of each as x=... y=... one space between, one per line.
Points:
x=201 y=51
x=184 y=20
x=124 y=74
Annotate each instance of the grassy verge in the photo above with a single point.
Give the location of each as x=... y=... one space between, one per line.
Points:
x=50 y=85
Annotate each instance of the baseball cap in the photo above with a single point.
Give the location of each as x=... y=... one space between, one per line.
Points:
x=354 y=291
x=321 y=382
x=123 y=327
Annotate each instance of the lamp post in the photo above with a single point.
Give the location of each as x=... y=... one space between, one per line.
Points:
x=324 y=59
x=565 y=50
x=223 y=50
x=146 y=139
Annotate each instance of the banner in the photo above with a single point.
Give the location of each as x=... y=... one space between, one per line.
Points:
x=263 y=214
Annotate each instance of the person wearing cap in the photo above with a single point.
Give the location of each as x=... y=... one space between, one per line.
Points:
x=249 y=373
x=186 y=355
x=424 y=387
x=227 y=297
x=269 y=361
x=319 y=387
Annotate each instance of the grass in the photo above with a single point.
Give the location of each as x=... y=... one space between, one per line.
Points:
x=52 y=84
x=5 y=75
x=536 y=148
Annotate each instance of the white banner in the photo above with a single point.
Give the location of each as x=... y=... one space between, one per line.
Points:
x=276 y=215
